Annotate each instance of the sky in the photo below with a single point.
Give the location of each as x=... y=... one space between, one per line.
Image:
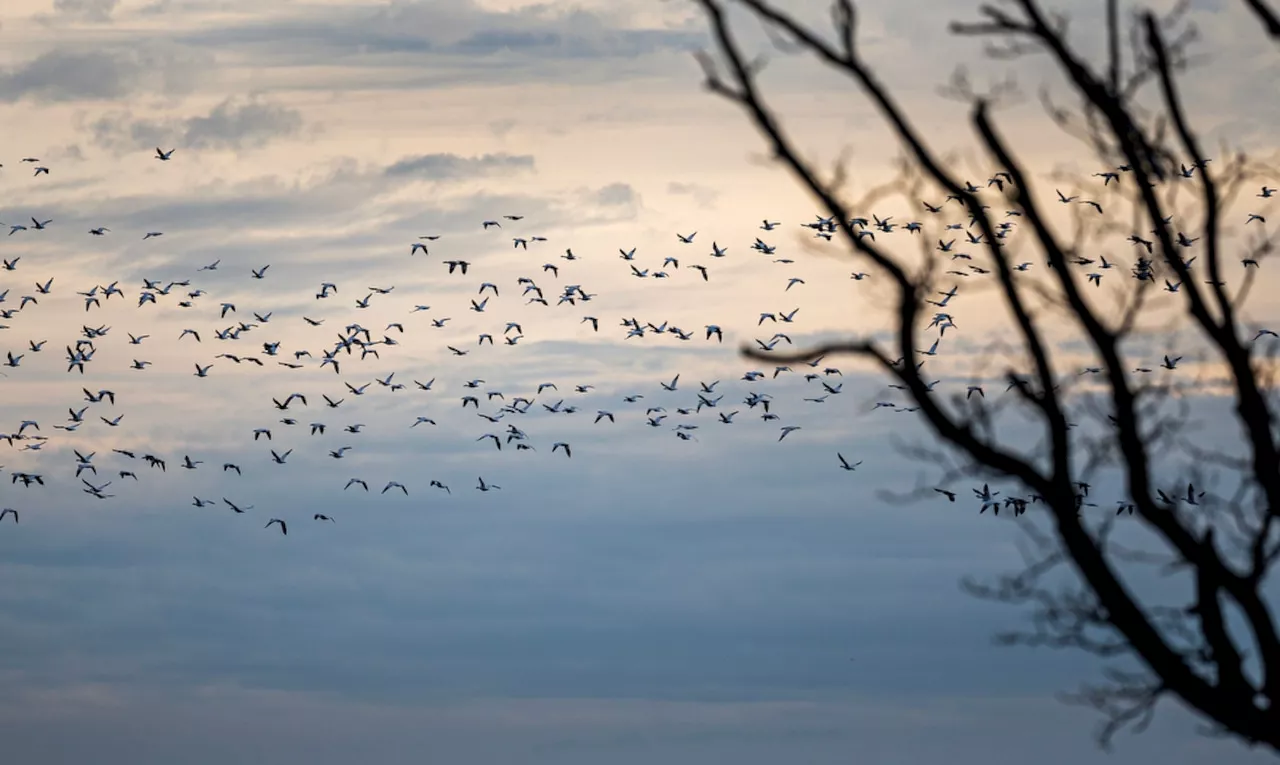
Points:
x=640 y=598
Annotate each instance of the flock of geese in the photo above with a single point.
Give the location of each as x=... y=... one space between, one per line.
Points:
x=21 y=292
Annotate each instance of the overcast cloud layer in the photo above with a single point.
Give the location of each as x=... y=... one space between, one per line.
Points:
x=724 y=598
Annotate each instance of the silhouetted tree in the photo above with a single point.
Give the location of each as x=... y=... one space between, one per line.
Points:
x=1218 y=650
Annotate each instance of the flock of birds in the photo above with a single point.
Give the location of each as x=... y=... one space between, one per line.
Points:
x=355 y=343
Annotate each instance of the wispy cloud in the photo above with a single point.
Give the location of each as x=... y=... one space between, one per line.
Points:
x=70 y=74
x=452 y=166
x=231 y=124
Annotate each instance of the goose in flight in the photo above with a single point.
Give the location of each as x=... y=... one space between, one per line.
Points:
x=787 y=429
x=562 y=445
x=280 y=458
x=163 y=156
x=94 y=399
x=686 y=239
x=845 y=463
x=289 y=399
x=96 y=491
x=236 y=508
x=395 y=485
x=322 y=517
x=9 y=511
x=486 y=486
x=284 y=527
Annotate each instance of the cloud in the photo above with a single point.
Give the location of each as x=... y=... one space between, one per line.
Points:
x=61 y=75
x=501 y=127
x=704 y=196
x=233 y=124
x=439 y=44
x=444 y=166
x=71 y=76
x=97 y=11
x=616 y=195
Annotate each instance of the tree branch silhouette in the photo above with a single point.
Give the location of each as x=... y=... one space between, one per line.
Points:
x=1267 y=16
x=1191 y=651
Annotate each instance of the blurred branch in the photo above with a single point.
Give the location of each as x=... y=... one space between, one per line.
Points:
x=1196 y=658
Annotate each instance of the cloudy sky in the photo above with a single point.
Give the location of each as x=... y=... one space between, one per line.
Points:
x=646 y=599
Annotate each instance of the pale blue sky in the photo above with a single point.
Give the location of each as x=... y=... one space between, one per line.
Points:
x=729 y=598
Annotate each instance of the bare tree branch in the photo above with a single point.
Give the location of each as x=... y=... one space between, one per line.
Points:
x=1185 y=651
